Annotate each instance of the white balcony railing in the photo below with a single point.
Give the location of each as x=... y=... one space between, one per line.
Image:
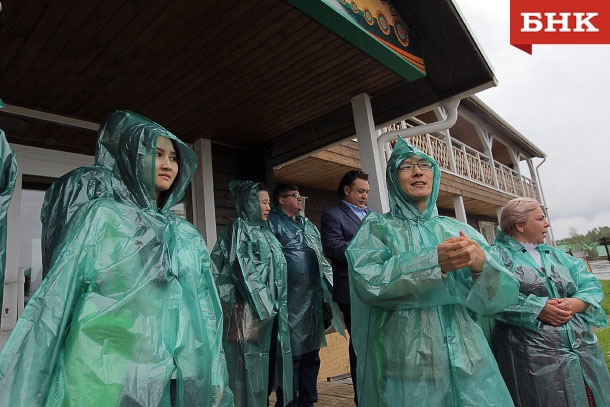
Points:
x=473 y=165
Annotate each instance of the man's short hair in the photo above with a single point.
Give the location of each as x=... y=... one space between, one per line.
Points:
x=281 y=191
x=348 y=179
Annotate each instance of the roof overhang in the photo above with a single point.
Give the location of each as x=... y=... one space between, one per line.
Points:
x=246 y=74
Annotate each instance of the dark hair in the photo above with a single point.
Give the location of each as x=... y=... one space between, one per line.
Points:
x=165 y=194
x=349 y=178
x=281 y=189
x=263 y=187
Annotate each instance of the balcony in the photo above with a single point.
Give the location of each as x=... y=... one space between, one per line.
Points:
x=457 y=158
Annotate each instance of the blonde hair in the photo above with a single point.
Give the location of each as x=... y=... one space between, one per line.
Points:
x=516 y=211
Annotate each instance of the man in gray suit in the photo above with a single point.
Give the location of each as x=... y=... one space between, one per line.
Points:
x=339 y=224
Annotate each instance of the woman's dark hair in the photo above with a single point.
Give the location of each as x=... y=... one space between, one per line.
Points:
x=164 y=194
x=263 y=187
x=281 y=190
x=348 y=179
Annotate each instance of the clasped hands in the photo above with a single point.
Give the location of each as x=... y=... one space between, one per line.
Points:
x=459 y=252
x=558 y=311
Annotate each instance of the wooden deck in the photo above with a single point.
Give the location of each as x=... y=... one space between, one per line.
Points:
x=336 y=394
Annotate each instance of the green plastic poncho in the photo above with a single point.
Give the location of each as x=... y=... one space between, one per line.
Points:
x=309 y=281
x=414 y=333
x=83 y=184
x=128 y=304
x=250 y=273
x=545 y=365
x=7 y=186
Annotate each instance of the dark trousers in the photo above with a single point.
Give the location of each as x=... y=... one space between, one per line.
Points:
x=346 y=309
x=305 y=369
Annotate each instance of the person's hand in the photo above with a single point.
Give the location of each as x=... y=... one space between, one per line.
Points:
x=459 y=252
x=552 y=314
x=574 y=305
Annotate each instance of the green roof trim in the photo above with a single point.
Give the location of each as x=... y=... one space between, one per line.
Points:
x=374 y=27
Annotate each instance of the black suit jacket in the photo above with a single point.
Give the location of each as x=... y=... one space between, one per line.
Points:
x=339 y=224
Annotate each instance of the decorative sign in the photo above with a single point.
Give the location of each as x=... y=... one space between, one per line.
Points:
x=373 y=26
x=559 y=22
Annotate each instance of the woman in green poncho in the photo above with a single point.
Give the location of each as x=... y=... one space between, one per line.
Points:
x=544 y=345
x=83 y=184
x=128 y=314
x=250 y=272
x=417 y=279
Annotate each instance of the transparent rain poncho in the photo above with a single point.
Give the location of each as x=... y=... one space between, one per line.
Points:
x=250 y=273
x=415 y=334
x=128 y=304
x=545 y=365
x=81 y=185
x=309 y=281
x=7 y=186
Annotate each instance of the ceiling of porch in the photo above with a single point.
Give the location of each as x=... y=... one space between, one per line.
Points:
x=245 y=74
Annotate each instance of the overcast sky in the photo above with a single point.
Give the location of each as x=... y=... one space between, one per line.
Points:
x=558 y=99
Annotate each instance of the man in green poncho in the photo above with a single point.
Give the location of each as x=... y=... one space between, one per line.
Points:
x=417 y=278
x=129 y=314
x=8 y=176
x=250 y=273
x=309 y=285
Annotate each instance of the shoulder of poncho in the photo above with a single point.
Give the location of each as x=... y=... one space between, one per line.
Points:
x=375 y=220
x=185 y=226
x=556 y=252
x=308 y=223
x=449 y=220
x=507 y=244
x=99 y=205
x=446 y=220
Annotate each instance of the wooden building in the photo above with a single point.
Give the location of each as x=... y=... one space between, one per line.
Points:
x=254 y=87
x=484 y=161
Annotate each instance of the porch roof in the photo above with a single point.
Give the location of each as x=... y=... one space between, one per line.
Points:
x=248 y=74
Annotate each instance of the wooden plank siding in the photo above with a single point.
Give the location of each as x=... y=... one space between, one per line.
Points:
x=231 y=164
x=322 y=169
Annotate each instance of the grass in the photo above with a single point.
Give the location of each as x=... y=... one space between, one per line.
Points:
x=604 y=334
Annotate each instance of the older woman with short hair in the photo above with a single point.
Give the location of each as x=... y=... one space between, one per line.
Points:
x=544 y=345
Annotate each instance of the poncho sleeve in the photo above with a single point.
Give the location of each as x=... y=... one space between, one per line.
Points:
x=314 y=239
x=253 y=264
x=31 y=352
x=589 y=289
x=525 y=312
x=212 y=316
x=389 y=269
x=8 y=176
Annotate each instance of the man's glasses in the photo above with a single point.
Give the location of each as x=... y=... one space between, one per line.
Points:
x=295 y=194
x=408 y=167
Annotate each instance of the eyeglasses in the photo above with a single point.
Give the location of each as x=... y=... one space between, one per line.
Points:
x=295 y=194
x=408 y=167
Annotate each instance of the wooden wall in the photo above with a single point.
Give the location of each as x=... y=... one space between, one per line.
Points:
x=318 y=201
x=230 y=164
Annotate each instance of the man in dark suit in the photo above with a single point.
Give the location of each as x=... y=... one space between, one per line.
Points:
x=339 y=224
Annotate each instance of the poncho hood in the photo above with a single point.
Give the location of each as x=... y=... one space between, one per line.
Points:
x=401 y=205
x=109 y=135
x=135 y=165
x=247 y=203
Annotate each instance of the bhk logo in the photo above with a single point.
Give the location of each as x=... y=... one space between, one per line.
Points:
x=559 y=22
